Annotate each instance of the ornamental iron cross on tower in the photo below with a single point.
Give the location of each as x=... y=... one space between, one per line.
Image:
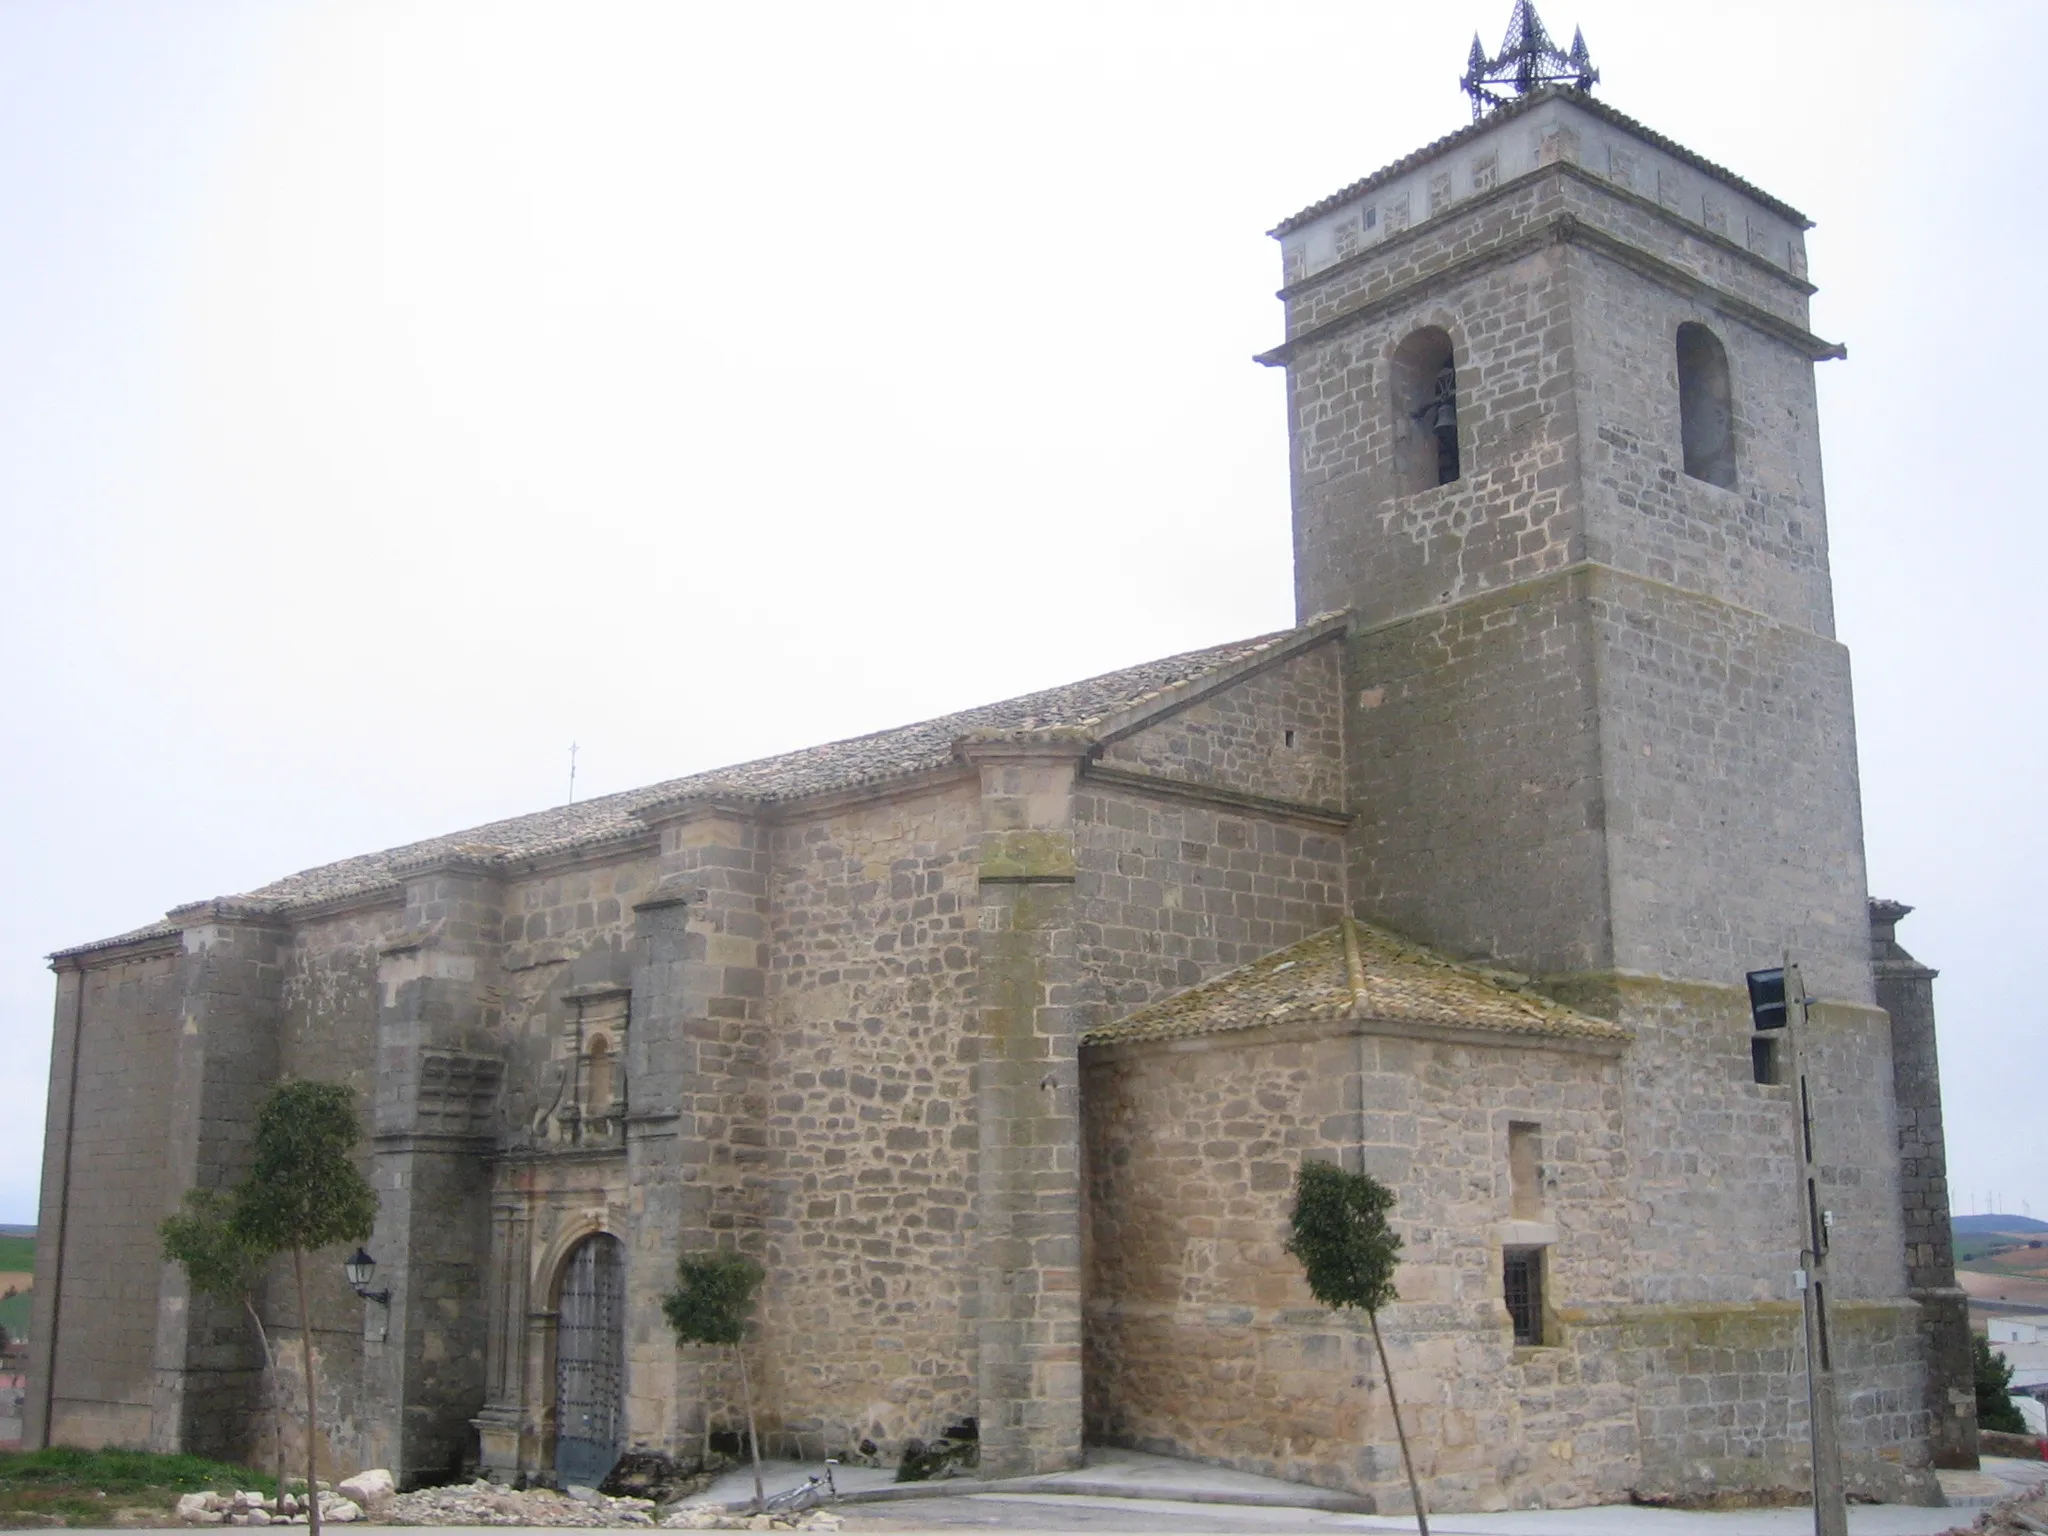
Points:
x=1527 y=61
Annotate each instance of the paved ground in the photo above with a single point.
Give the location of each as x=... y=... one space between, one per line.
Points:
x=1160 y=1494
x=1047 y=1512
x=1212 y=1500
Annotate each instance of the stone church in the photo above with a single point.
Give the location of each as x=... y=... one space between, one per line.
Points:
x=998 y=1037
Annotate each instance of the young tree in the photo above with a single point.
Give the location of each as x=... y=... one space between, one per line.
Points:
x=304 y=1192
x=221 y=1264
x=1993 y=1378
x=1348 y=1253
x=713 y=1298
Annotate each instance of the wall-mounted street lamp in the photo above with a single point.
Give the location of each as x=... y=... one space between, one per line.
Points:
x=361 y=1269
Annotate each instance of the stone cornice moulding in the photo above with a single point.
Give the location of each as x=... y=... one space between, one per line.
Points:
x=229 y=911
x=1564 y=170
x=484 y=861
x=712 y=805
x=1560 y=229
x=1341 y=1022
x=117 y=951
x=1216 y=795
x=1051 y=744
x=614 y=848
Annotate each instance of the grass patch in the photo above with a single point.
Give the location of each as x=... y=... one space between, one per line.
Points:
x=62 y=1486
x=17 y=1253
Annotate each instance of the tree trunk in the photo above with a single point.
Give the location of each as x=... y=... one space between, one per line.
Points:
x=273 y=1395
x=1393 y=1402
x=312 y=1428
x=753 y=1438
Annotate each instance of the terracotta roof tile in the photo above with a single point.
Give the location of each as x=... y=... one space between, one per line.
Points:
x=1397 y=982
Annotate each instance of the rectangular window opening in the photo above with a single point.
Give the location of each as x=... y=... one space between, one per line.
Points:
x=1290 y=738
x=1522 y=1274
x=1763 y=1059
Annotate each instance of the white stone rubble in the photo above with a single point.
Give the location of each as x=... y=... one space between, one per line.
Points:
x=486 y=1503
x=370 y=1495
x=716 y=1517
x=250 y=1507
x=366 y=1488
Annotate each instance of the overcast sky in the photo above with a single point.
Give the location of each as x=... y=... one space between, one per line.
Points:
x=391 y=394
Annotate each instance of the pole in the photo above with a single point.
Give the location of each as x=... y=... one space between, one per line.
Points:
x=1830 y=1510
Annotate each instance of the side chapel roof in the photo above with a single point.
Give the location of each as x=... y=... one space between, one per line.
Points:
x=877 y=758
x=1376 y=976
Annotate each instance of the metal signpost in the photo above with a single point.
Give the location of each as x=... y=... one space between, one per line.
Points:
x=1777 y=1000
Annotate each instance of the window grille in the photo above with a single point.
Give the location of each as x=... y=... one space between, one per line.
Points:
x=1522 y=1270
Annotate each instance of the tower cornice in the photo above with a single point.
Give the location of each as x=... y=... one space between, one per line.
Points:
x=1562 y=228
x=1522 y=108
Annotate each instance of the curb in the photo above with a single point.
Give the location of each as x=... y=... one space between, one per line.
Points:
x=1328 y=1500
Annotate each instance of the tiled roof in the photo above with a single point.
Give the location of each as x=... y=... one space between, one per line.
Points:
x=838 y=765
x=1396 y=982
x=1515 y=109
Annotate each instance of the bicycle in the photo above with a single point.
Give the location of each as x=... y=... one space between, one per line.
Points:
x=805 y=1494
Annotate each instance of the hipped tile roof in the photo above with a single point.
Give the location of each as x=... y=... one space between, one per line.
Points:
x=1515 y=109
x=1396 y=982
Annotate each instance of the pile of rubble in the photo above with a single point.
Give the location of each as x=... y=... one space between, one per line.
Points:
x=2023 y=1516
x=252 y=1508
x=372 y=1496
x=716 y=1517
x=488 y=1503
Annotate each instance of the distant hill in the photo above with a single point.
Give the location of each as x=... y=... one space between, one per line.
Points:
x=1976 y=1226
x=12 y=1229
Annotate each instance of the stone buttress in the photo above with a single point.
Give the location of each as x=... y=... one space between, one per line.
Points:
x=440 y=1064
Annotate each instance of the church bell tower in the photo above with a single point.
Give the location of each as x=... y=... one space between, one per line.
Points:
x=1551 y=405
x=1554 y=447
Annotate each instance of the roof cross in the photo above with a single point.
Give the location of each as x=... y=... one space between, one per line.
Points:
x=1527 y=61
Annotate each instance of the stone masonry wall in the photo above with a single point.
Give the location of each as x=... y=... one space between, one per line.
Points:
x=867 y=1325
x=105 y=1315
x=1278 y=734
x=1171 y=892
x=1203 y=1340
x=1512 y=514
x=1475 y=773
x=1520 y=209
x=1709 y=710
x=1762 y=544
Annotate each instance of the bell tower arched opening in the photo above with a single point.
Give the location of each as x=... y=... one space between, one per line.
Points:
x=1425 y=385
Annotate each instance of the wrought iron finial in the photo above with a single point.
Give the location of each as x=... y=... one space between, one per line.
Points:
x=1527 y=61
